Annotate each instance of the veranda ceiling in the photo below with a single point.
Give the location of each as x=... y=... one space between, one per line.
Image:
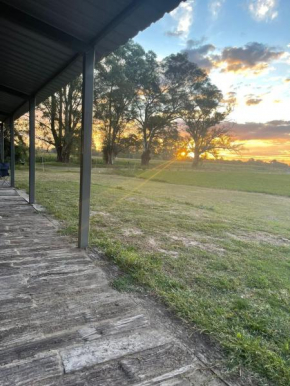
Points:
x=42 y=41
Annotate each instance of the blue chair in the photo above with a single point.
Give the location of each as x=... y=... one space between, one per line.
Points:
x=4 y=173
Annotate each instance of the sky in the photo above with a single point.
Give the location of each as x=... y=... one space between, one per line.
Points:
x=244 y=45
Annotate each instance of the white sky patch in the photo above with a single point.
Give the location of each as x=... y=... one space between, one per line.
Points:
x=263 y=10
x=285 y=58
x=267 y=110
x=215 y=7
x=183 y=16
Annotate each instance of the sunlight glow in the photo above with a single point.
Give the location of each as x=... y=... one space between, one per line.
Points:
x=259 y=149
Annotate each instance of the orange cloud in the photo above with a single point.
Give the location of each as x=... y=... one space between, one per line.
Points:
x=252 y=58
x=253 y=101
x=273 y=130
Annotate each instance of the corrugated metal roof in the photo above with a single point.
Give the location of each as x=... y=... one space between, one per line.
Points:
x=41 y=41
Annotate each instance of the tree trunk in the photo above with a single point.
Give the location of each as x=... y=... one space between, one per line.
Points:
x=59 y=154
x=66 y=157
x=63 y=155
x=110 y=160
x=196 y=159
x=145 y=157
x=108 y=155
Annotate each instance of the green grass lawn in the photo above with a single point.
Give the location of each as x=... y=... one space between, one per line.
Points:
x=248 y=181
x=219 y=258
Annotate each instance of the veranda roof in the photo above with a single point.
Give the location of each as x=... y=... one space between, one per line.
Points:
x=42 y=41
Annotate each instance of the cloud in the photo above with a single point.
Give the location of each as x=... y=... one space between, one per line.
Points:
x=253 y=56
x=253 y=101
x=263 y=10
x=278 y=122
x=196 y=42
x=183 y=16
x=199 y=54
x=231 y=97
x=274 y=130
x=215 y=7
x=287 y=80
x=285 y=58
x=174 y=33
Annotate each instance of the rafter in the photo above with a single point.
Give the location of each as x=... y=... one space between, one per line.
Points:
x=93 y=43
x=12 y=91
x=33 y=24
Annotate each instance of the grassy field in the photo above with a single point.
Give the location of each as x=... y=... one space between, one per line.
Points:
x=270 y=183
x=219 y=258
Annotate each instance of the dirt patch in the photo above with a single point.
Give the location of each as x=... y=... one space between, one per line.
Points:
x=152 y=242
x=190 y=242
x=132 y=232
x=187 y=242
x=261 y=237
x=96 y=213
x=169 y=253
x=142 y=200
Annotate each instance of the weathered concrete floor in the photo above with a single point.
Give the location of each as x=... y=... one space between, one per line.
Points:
x=62 y=324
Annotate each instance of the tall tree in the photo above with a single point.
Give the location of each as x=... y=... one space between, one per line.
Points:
x=115 y=88
x=166 y=146
x=162 y=87
x=149 y=109
x=61 y=117
x=200 y=105
x=20 y=132
x=203 y=115
x=147 y=104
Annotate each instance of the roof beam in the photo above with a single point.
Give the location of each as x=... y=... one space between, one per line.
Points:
x=92 y=44
x=31 y=23
x=106 y=30
x=127 y=11
x=12 y=91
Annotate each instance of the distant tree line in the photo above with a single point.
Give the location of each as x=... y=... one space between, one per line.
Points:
x=139 y=103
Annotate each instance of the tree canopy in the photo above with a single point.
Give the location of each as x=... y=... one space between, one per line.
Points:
x=115 y=90
x=141 y=102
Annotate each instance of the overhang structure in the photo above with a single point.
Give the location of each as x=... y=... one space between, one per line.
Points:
x=44 y=44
